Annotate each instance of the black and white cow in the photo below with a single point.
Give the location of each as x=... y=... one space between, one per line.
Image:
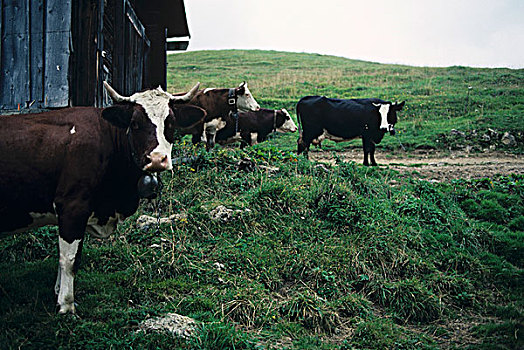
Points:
x=342 y=120
x=79 y=168
x=255 y=126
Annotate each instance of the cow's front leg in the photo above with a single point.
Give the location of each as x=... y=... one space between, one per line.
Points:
x=261 y=137
x=303 y=147
x=365 y=145
x=211 y=130
x=210 y=143
x=245 y=139
x=197 y=134
x=372 y=153
x=68 y=265
x=72 y=221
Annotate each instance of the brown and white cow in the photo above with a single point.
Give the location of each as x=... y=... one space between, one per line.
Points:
x=218 y=103
x=255 y=126
x=78 y=168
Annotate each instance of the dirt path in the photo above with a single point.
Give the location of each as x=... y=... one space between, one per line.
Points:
x=433 y=165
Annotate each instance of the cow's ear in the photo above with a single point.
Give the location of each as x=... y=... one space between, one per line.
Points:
x=188 y=115
x=119 y=114
x=241 y=89
x=400 y=105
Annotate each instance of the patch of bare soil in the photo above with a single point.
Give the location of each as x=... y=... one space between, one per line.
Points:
x=434 y=165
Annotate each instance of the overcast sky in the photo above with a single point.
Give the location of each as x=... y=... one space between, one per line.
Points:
x=478 y=33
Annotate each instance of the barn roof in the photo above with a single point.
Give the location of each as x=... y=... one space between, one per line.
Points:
x=170 y=14
x=177 y=26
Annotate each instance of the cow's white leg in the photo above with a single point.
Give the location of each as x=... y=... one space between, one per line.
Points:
x=67 y=251
x=211 y=130
x=57 y=283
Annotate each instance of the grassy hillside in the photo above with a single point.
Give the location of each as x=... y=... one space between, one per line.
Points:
x=312 y=256
x=438 y=99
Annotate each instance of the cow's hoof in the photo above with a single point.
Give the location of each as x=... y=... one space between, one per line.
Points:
x=67 y=309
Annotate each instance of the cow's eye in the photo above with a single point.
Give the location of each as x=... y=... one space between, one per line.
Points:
x=134 y=125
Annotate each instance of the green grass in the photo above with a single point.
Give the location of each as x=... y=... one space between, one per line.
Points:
x=333 y=257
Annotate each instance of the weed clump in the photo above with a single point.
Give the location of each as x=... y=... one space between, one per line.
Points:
x=409 y=300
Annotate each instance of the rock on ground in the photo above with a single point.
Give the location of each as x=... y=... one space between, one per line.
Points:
x=178 y=325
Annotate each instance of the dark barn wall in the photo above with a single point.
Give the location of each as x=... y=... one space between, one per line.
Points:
x=162 y=19
x=57 y=53
x=85 y=17
x=109 y=44
x=34 y=53
x=136 y=50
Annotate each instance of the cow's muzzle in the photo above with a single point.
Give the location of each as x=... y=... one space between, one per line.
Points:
x=159 y=162
x=391 y=129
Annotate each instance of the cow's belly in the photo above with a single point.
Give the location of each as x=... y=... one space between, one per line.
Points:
x=27 y=221
x=214 y=125
x=327 y=136
x=30 y=221
x=237 y=137
x=231 y=139
x=103 y=230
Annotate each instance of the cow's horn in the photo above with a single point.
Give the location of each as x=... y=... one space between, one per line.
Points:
x=114 y=95
x=377 y=105
x=188 y=96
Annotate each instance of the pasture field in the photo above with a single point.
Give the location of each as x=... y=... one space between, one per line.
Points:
x=470 y=100
x=313 y=255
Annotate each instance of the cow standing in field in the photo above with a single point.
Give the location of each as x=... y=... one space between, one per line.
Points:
x=79 y=167
x=342 y=120
x=255 y=126
x=219 y=103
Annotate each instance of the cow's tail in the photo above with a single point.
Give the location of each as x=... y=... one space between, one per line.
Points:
x=299 y=120
x=301 y=147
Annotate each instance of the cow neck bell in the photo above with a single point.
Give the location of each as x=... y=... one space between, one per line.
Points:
x=148 y=186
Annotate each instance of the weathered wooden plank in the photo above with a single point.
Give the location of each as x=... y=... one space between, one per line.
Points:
x=83 y=68
x=133 y=18
x=57 y=52
x=14 y=85
x=109 y=36
x=99 y=102
x=135 y=49
x=118 y=50
x=36 y=47
x=1 y=41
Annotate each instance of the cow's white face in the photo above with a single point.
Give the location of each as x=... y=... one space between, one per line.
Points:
x=384 y=110
x=289 y=125
x=150 y=119
x=388 y=115
x=245 y=100
x=156 y=105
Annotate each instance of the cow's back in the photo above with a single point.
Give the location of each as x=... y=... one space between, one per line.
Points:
x=343 y=118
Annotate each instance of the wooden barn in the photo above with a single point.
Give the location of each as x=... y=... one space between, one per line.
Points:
x=57 y=53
